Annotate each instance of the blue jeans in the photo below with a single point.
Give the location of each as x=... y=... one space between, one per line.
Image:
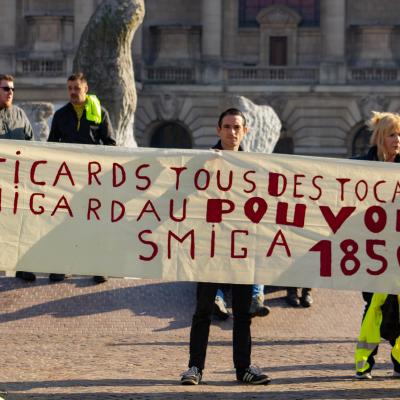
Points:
x=221 y=295
x=256 y=291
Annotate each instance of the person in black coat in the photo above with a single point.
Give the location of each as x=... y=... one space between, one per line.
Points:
x=231 y=130
x=82 y=120
x=385 y=146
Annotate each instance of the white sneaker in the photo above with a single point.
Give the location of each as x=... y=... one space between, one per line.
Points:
x=363 y=375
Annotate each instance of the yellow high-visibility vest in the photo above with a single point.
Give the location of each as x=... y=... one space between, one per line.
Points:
x=370 y=334
x=93 y=108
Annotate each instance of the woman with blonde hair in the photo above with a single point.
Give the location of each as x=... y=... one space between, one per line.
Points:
x=381 y=315
x=385 y=139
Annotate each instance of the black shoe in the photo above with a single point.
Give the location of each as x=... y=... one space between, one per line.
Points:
x=100 y=279
x=26 y=276
x=306 y=299
x=253 y=376
x=220 y=310
x=292 y=298
x=56 y=277
x=257 y=308
x=191 y=377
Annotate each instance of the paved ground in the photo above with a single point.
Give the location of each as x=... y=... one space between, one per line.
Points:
x=128 y=339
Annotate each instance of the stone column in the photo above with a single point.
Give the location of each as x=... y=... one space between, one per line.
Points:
x=137 y=53
x=137 y=48
x=83 y=10
x=230 y=28
x=211 y=38
x=7 y=35
x=333 y=38
x=212 y=28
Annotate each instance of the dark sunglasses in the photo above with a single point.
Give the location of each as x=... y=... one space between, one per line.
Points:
x=7 y=88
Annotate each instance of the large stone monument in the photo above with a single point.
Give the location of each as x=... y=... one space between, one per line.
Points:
x=104 y=55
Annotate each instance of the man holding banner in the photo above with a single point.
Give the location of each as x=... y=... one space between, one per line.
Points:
x=15 y=125
x=82 y=120
x=231 y=130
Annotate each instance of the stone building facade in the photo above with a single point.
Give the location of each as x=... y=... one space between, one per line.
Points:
x=323 y=65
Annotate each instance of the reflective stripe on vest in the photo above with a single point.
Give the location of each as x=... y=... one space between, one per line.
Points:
x=370 y=334
x=367 y=346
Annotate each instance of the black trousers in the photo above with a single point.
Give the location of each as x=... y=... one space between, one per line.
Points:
x=241 y=301
x=371 y=359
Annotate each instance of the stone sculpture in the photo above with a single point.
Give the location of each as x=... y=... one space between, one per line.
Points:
x=263 y=122
x=104 y=55
x=38 y=114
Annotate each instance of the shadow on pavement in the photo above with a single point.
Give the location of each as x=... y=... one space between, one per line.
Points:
x=166 y=300
x=294 y=342
x=174 y=301
x=364 y=393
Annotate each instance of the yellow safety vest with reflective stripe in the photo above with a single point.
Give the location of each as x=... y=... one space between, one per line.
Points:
x=370 y=334
x=93 y=109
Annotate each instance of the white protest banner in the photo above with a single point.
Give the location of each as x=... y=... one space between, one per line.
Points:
x=200 y=216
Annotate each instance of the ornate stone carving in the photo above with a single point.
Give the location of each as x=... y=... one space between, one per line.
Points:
x=370 y=103
x=278 y=15
x=167 y=106
x=38 y=114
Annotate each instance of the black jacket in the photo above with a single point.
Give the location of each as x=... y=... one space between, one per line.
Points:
x=218 y=146
x=64 y=124
x=372 y=155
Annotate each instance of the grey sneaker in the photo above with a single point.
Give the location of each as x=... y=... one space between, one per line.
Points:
x=396 y=375
x=191 y=377
x=363 y=375
x=257 y=308
x=220 y=310
x=253 y=376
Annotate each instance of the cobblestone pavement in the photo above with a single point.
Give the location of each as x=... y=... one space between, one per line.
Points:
x=128 y=339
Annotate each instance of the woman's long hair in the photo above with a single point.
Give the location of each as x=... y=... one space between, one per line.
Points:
x=383 y=124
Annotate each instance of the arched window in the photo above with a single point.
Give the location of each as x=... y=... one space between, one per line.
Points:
x=171 y=135
x=308 y=9
x=360 y=143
